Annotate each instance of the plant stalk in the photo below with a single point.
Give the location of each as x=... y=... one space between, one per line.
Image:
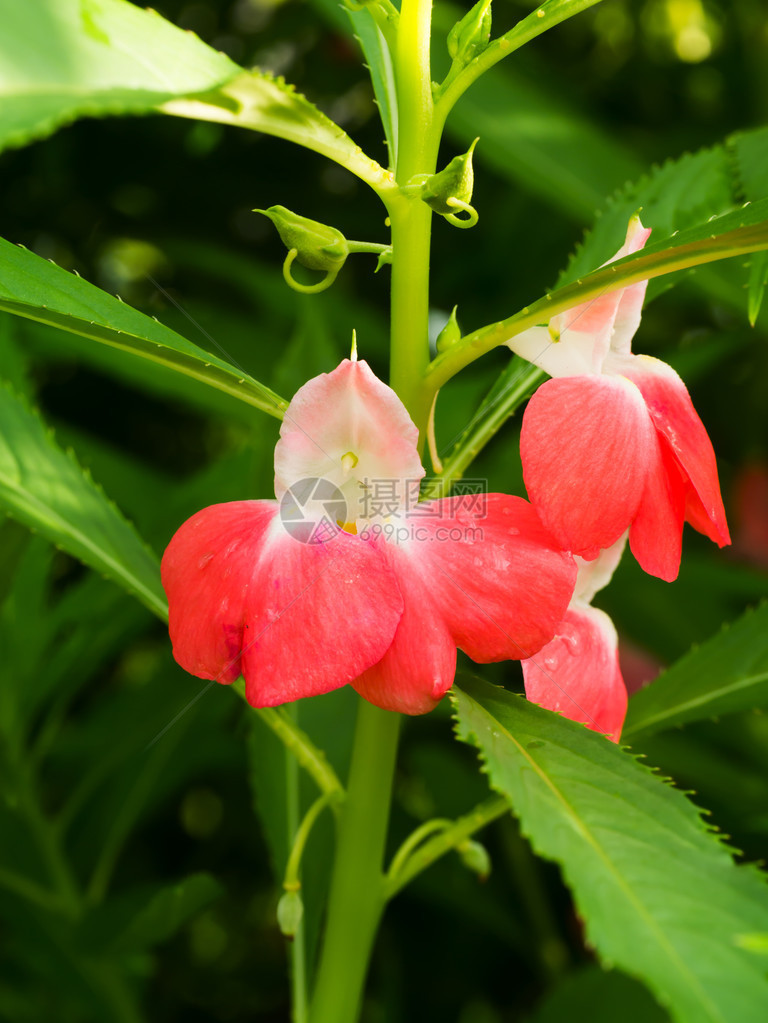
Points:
x=357 y=887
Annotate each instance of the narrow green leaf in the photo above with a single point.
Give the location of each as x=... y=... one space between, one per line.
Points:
x=678 y=195
x=14 y=363
x=64 y=59
x=378 y=61
x=263 y=103
x=729 y=673
x=382 y=74
x=748 y=152
x=38 y=290
x=44 y=488
x=758 y=278
x=742 y=231
x=660 y=896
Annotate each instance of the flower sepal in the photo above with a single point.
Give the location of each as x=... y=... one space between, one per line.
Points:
x=449 y=192
x=470 y=36
x=310 y=243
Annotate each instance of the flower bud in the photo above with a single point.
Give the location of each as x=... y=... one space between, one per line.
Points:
x=455 y=181
x=318 y=247
x=290 y=910
x=471 y=35
x=450 y=334
x=475 y=857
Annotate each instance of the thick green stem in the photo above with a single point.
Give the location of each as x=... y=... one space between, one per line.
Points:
x=357 y=896
x=410 y=307
x=411 y=218
x=357 y=886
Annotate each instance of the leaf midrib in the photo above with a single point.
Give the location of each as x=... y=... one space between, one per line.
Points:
x=151 y=599
x=695 y=702
x=185 y=363
x=608 y=862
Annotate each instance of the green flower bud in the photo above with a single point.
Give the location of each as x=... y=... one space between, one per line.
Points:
x=475 y=858
x=450 y=334
x=472 y=34
x=290 y=910
x=318 y=247
x=455 y=181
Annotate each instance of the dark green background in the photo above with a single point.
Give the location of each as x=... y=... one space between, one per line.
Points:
x=124 y=201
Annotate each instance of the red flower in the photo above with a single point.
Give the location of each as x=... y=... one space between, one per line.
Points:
x=614 y=442
x=577 y=673
x=345 y=578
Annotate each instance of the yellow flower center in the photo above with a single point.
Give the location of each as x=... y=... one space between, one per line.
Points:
x=349 y=462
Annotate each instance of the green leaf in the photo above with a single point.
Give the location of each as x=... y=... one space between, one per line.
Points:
x=660 y=896
x=44 y=488
x=378 y=61
x=13 y=362
x=758 y=278
x=742 y=231
x=729 y=673
x=51 y=650
x=748 y=152
x=678 y=195
x=38 y=290
x=263 y=103
x=64 y=59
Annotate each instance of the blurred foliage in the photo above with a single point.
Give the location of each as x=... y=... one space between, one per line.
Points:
x=125 y=782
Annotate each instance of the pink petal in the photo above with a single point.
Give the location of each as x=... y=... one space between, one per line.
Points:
x=349 y=428
x=578 y=675
x=577 y=341
x=205 y=572
x=497 y=578
x=630 y=299
x=419 y=667
x=298 y=618
x=588 y=327
x=656 y=535
x=676 y=420
x=567 y=352
x=586 y=443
